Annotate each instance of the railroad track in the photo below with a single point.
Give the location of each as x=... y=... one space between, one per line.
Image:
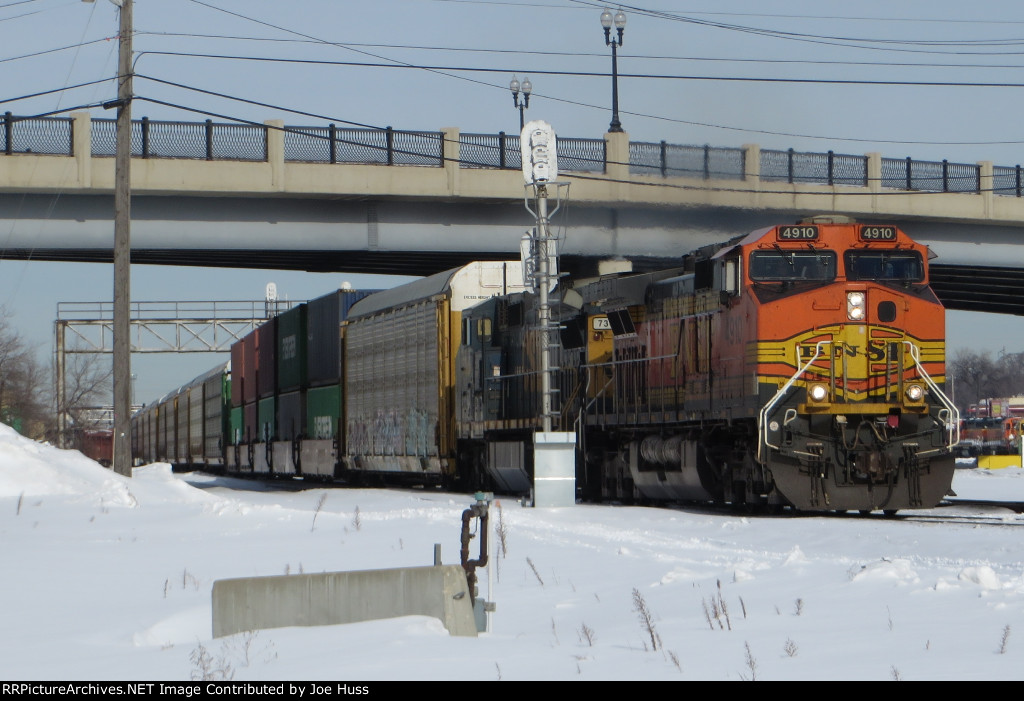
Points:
x=997 y=513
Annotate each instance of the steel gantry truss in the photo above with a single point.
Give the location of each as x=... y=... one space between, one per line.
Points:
x=156 y=327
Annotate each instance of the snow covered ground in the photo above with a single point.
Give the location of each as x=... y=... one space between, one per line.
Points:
x=106 y=578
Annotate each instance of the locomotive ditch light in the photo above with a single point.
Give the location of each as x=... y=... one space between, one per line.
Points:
x=817 y=393
x=914 y=393
x=855 y=306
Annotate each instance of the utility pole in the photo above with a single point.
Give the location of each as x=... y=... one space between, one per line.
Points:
x=122 y=247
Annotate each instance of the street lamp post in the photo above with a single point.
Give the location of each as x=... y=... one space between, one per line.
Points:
x=527 y=88
x=619 y=20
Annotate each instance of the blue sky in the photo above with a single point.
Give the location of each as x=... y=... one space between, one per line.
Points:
x=698 y=64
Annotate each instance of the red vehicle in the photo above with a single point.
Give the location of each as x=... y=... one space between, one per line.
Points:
x=97 y=444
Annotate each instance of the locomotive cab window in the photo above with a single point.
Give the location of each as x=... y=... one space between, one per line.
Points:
x=782 y=265
x=885 y=266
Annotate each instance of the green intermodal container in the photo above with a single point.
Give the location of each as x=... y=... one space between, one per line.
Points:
x=291 y=349
x=236 y=428
x=226 y=413
x=323 y=410
x=266 y=418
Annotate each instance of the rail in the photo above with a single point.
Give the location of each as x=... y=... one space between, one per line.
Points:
x=392 y=147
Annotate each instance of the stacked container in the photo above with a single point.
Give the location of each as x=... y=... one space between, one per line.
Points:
x=326 y=318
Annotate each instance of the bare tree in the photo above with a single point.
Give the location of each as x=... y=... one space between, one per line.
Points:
x=974 y=376
x=87 y=383
x=23 y=383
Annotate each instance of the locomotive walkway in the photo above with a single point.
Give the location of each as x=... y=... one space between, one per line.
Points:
x=383 y=200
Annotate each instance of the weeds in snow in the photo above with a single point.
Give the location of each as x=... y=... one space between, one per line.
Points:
x=207 y=668
x=1005 y=639
x=535 y=572
x=319 y=506
x=790 y=648
x=716 y=611
x=675 y=660
x=751 y=663
x=646 y=618
x=502 y=529
x=587 y=635
x=895 y=673
x=357 y=521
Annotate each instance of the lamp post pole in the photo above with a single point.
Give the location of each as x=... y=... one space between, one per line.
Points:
x=122 y=246
x=619 y=20
x=527 y=88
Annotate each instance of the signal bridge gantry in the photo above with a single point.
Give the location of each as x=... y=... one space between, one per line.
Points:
x=157 y=327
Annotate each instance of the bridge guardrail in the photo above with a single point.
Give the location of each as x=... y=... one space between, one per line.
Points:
x=248 y=142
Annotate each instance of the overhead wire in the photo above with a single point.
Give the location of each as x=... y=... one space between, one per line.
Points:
x=625 y=112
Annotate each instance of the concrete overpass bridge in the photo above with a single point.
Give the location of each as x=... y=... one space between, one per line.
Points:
x=385 y=201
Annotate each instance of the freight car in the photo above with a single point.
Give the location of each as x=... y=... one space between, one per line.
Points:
x=95 y=443
x=186 y=427
x=356 y=386
x=801 y=365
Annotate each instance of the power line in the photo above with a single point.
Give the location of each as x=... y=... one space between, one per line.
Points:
x=867 y=43
x=53 y=51
x=593 y=74
x=56 y=90
x=599 y=107
x=577 y=54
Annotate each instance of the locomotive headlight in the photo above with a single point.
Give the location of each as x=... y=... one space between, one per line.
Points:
x=817 y=393
x=915 y=393
x=855 y=306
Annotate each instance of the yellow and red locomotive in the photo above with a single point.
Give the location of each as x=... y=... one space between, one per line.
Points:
x=801 y=365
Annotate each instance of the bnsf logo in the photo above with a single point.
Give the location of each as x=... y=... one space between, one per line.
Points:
x=322 y=427
x=288 y=347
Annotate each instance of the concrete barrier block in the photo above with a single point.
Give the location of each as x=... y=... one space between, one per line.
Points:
x=330 y=598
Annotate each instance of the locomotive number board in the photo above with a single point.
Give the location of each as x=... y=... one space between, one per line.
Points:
x=878 y=233
x=801 y=232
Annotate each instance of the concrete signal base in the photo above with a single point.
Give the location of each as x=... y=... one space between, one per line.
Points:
x=256 y=603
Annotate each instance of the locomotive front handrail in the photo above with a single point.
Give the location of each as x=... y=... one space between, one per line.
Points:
x=954 y=413
x=762 y=426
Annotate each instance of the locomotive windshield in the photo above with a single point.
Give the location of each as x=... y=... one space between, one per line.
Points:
x=781 y=265
x=895 y=266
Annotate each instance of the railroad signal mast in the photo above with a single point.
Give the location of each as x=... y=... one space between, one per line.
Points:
x=554 y=452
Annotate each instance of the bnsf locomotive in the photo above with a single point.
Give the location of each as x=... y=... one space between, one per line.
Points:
x=800 y=365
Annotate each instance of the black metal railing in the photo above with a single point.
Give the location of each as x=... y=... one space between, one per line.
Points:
x=46 y=135
x=930 y=176
x=825 y=168
x=248 y=142
x=671 y=160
